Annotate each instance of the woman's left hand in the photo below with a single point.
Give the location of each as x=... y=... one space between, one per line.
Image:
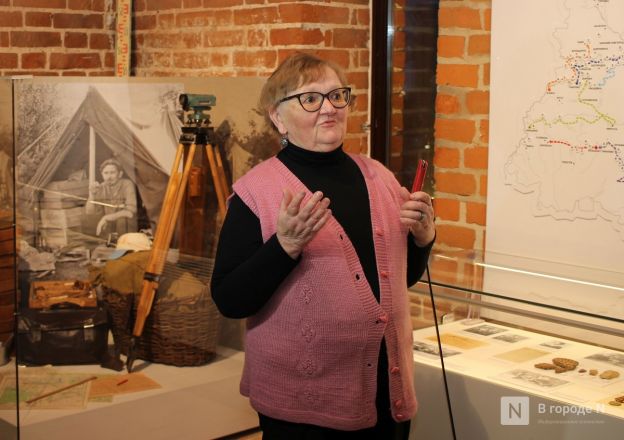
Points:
x=417 y=213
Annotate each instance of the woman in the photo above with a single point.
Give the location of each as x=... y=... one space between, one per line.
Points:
x=316 y=250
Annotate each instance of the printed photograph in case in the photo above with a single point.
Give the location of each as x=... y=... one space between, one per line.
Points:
x=532 y=379
x=432 y=350
x=556 y=344
x=510 y=338
x=616 y=359
x=485 y=330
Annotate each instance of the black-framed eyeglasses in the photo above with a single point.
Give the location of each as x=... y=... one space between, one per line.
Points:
x=313 y=101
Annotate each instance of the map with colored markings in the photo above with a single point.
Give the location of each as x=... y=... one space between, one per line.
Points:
x=556 y=168
x=571 y=157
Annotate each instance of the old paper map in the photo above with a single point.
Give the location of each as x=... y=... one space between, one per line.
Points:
x=36 y=382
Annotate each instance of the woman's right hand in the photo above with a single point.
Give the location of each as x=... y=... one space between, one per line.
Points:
x=296 y=224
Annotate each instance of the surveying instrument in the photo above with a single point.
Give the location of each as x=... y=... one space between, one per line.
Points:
x=197 y=133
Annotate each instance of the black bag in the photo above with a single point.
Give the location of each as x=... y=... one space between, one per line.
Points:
x=62 y=336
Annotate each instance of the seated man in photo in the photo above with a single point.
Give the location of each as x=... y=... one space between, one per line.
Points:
x=113 y=201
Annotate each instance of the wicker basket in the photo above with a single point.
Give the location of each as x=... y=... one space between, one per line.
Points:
x=180 y=332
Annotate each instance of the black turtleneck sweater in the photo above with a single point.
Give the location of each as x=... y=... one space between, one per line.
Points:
x=248 y=271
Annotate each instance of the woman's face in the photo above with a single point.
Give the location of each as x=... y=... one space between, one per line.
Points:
x=323 y=130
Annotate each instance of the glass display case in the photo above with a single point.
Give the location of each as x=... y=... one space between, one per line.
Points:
x=104 y=206
x=530 y=349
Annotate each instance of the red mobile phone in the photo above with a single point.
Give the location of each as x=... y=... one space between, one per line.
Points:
x=421 y=172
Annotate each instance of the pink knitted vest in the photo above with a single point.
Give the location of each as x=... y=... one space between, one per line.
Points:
x=311 y=352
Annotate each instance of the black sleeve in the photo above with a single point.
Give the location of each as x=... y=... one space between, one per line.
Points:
x=417 y=258
x=246 y=271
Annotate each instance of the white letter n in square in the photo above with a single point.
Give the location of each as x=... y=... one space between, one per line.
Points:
x=515 y=410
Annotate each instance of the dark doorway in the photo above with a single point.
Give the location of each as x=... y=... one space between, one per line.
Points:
x=403 y=92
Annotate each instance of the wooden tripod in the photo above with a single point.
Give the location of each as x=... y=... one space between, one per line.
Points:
x=169 y=215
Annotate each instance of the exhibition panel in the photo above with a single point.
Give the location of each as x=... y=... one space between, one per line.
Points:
x=117 y=196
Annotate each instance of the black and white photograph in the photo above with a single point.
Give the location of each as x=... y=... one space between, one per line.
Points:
x=556 y=344
x=94 y=156
x=93 y=159
x=432 y=350
x=510 y=338
x=616 y=359
x=530 y=378
x=472 y=321
x=485 y=330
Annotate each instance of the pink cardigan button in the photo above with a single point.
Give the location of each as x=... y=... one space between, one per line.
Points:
x=398 y=403
x=395 y=370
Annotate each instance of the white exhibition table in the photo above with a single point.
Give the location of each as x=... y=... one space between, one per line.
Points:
x=490 y=367
x=485 y=363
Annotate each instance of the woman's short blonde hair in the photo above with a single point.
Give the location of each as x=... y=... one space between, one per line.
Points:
x=296 y=70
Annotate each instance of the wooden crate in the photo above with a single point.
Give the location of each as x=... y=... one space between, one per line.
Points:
x=45 y=294
x=62 y=218
x=60 y=204
x=7 y=260
x=7 y=298
x=6 y=241
x=7 y=283
x=65 y=194
x=7 y=278
x=57 y=238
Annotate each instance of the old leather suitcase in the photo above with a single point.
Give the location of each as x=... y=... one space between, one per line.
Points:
x=62 y=336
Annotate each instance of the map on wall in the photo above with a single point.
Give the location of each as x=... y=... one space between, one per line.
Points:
x=556 y=161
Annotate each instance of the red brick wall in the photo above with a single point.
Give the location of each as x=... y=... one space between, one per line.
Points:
x=462 y=117
x=189 y=38
x=57 y=37
x=250 y=38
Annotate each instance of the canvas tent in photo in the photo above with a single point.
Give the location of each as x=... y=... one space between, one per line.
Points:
x=95 y=133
